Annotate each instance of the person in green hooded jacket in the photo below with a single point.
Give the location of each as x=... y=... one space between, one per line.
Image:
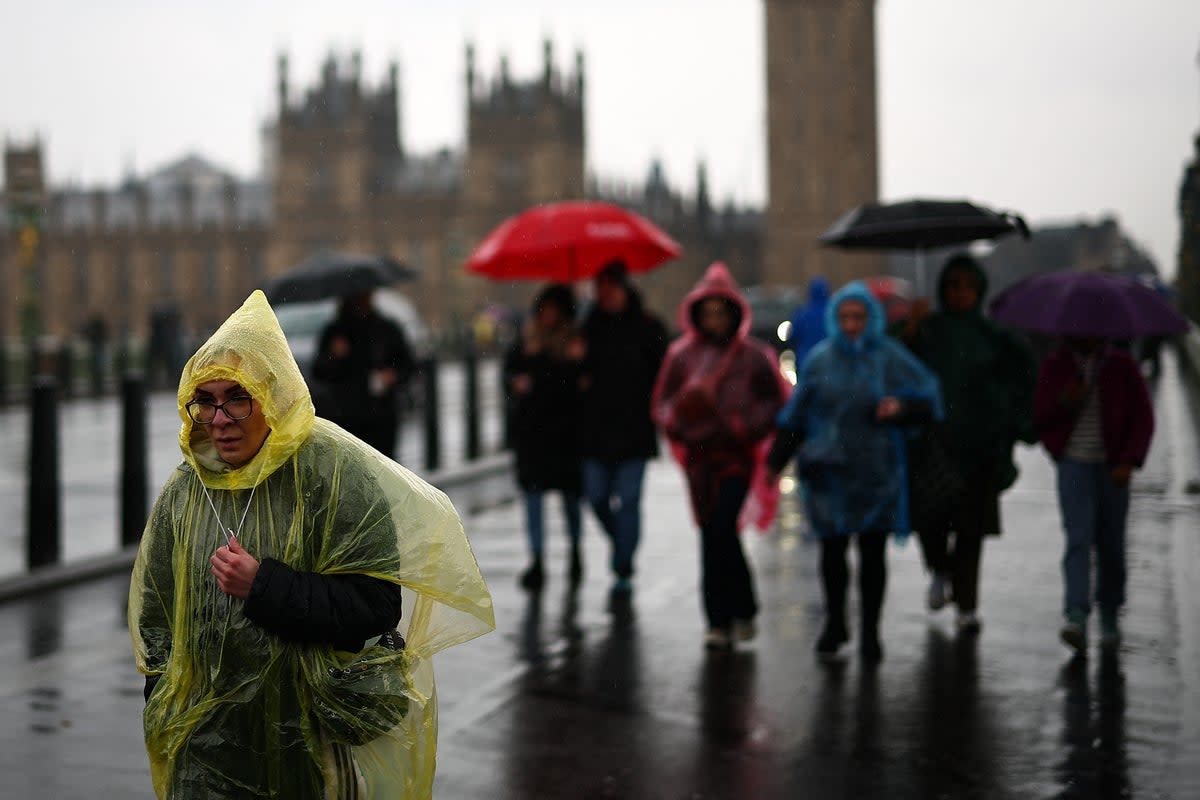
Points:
x=987 y=376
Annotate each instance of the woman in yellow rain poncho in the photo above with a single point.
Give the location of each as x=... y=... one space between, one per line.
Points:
x=272 y=560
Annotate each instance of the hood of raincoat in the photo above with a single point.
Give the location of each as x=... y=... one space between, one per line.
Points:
x=249 y=348
x=968 y=264
x=876 y=319
x=818 y=291
x=717 y=282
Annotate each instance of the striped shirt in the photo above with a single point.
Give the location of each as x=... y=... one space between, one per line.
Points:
x=1087 y=440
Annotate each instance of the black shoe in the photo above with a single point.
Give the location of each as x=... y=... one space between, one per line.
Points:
x=832 y=637
x=533 y=578
x=869 y=649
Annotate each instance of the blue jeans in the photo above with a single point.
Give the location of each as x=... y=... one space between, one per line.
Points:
x=535 y=519
x=1093 y=513
x=614 y=491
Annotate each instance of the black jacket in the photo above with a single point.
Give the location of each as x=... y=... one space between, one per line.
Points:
x=341 y=611
x=624 y=352
x=545 y=422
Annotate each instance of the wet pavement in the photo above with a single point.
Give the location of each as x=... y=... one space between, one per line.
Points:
x=580 y=695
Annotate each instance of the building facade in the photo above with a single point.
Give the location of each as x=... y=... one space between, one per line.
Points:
x=336 y=176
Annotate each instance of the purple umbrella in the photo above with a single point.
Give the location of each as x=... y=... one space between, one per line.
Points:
x=1070 y=303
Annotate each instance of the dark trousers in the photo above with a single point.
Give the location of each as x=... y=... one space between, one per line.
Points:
x=952 y=547
x=956 y=556
x=726 y=584
x=872 y=577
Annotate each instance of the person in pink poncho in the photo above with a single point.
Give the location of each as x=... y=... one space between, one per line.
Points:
x=716 y=398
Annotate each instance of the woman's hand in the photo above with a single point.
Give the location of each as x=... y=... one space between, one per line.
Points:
x=234 y=569
x=887 y=409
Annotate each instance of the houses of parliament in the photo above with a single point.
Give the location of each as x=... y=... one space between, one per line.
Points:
x=337 y=176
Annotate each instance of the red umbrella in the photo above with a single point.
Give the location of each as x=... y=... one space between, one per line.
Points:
x=571 y=241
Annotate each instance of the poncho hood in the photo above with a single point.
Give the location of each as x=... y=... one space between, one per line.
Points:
x=968 y=264
x=818 y=291
x=876 y=319
x=249 y=348
x=717 y=282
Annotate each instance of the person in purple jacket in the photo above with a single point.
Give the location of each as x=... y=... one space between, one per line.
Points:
x=1093 y=414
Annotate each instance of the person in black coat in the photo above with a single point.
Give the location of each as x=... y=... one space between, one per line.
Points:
x=362 y=365
x=625 y=346
x=541 y=374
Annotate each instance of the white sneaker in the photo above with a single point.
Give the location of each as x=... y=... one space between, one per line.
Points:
x=718 y=639
x=939 y=593
x=744 y=630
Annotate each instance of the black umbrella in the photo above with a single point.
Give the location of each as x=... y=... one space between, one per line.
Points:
x=919 y=225
x=331 y=274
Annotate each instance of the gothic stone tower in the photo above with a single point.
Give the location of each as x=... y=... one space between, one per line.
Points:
x=822 y=148
x=331 y=154
x=525 y=147
x=525 y=142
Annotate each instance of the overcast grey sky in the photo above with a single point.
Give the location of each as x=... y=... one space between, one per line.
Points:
x=1059 y=109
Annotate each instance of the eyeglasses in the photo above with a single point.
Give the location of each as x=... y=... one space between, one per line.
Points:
x=235 y=408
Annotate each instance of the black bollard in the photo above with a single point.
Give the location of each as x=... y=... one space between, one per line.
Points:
x=41 y=533
x=133 y=458
x=471 y=402
x=433 y=444
x=506 y=406
x=65 y=367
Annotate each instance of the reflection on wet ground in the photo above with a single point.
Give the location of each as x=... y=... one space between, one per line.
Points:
x=1094 y=764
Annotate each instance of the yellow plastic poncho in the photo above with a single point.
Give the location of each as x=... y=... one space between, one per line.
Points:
x=239 y=712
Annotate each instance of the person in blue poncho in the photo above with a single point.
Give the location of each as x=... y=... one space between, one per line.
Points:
x=808 y=321
x=845 y=422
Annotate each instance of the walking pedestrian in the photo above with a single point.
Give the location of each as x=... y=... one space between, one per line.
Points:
x=364 y=362
x=1093 y=414
x=624 y=348
x=541 y=372
x=808 y=321
x=959 y=468
x=265 y=602
x=715 y=399
x=846 y=417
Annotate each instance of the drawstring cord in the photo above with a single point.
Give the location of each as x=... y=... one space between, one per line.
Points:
x=230 y=533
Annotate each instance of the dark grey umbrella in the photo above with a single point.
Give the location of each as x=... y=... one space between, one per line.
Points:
x=333 y=274
x=919 y=225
